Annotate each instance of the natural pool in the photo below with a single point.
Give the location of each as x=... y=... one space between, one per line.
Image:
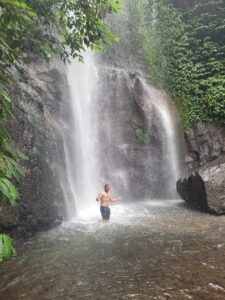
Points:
x=150 y=250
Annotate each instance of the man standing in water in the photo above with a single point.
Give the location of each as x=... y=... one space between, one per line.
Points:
x=105 y=198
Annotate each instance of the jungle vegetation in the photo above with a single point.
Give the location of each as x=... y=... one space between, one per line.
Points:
x=184 y=48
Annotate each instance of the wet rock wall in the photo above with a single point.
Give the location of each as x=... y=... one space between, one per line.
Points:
x=39 y=93
x=205 y=142
x=136 y=168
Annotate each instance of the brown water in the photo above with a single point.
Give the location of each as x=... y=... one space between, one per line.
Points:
x=156 y=250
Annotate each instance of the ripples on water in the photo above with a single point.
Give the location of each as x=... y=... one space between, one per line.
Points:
x=152 y=250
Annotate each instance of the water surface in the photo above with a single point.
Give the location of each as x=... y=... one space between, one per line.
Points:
x=151 y=250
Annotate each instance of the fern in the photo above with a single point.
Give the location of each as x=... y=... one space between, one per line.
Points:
x=142 y=137
x=8 y=191
x=6 y=247
x=9 y=170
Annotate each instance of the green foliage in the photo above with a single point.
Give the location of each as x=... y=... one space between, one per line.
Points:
x=62 y=27
x=6 y=247
x=9 y=161
x=184 y=46
x=142 y=137
x=9 y=168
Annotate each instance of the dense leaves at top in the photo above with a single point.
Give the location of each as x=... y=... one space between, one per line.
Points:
x=184 y=44
x=63 y=27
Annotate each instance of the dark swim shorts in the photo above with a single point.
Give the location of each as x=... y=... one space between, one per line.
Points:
x=105 y=211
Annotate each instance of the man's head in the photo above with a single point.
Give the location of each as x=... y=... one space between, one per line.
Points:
x=107 y=188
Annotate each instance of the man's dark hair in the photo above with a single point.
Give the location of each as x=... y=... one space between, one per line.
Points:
x=106 y=185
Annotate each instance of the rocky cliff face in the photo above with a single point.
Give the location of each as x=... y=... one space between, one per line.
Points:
x=39 y=92
x=133 y=139
x=205 y=142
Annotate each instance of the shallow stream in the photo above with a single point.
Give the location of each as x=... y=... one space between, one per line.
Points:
x=152 y=250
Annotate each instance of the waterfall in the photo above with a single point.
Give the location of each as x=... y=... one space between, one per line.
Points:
x=81 y=143
x=123 y=132
x=129 y=103
x=171 y=144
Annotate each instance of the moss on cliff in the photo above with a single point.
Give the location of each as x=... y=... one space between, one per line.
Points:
x=184 y=45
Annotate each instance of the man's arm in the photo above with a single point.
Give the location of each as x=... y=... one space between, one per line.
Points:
x=99 y=196
x=114 y=199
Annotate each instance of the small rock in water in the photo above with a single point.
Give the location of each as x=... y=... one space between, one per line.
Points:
x=216 y=287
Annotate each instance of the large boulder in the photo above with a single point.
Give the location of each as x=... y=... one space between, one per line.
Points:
x=205 y=188
x=205 y=142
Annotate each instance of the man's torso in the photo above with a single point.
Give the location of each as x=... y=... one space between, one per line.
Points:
x=105 y=199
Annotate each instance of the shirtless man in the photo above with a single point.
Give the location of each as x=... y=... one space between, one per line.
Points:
x=105 y=198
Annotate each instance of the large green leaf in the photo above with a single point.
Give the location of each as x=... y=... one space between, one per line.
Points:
x=6 y=247
x=8 y=190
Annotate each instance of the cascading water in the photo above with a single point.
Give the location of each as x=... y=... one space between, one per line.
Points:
x=171 y=151
x=82 y=166
x=109 y=105
x=123 y=132
x=138 y=146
